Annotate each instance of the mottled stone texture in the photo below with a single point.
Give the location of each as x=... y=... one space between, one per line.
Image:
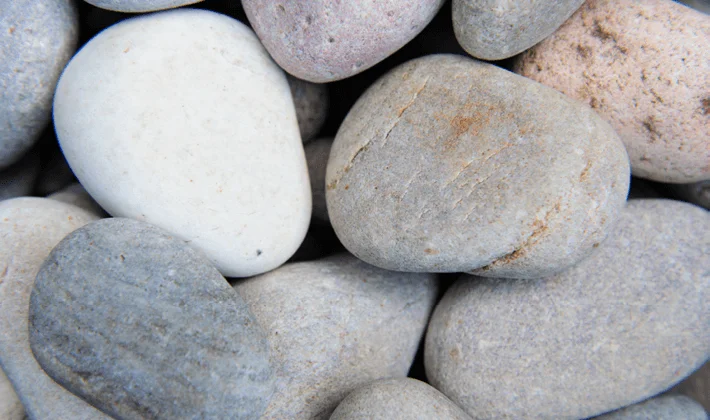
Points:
x=448 y=164
x=142 y=326
x=323 y=40
x=498 y=29
x=139 y=6
x=311 y=102
x=643 y=66
x=317 y=153
x=660 y=408
x=619 y=327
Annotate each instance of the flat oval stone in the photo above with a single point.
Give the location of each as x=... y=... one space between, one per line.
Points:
x=498 y=29
x=311 y=102
x=29 y=228
x=448 y=164
x=10 y=406
x=336 y=324
x=643 y=66
x=568 y=346
x=395 y=399
x=323 y=41
x=317 y=153
x=172 y=338
x=231 y=175
x=668 y=407
x=19 y=179
x=139 y=6
x=38 y=38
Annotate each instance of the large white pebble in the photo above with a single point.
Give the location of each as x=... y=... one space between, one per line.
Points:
x=181 y=119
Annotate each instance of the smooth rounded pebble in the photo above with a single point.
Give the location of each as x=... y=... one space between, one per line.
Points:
x=334 y=325
x=10 y=406
x=171 y=339
x=76 y=194
x=139 y=6
x=448 y=164
x=660 y=408
x=697 y=193
x=324 y=41
x=398 y=399
x=229 y=174
x=311 y=102
x=498 y=29
x=697 y=386
x=619 y=327
x=38 y=38
x=19 y=179
x=29 y=228
x=643 y=66
x=317 y=153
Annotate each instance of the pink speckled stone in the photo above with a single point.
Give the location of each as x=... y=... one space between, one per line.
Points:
x=323 y=41
x=645 y=67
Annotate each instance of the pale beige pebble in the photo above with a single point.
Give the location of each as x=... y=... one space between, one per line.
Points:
x=317 y=153
x=696 y=386
x=644 y=66
x=29 y=228
x=10 y=406
x=76 y=194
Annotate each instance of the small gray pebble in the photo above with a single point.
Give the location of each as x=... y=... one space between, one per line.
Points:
x=668 y=407
x=143 y=326
x=19 y=179
x=38 y=39
x=311 y=102
x=398 y=399
x=139 y=6
x=317 y=153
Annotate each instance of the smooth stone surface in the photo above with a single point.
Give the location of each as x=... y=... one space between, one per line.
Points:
x=642 y=65
x=140 y=6
x=29 y=229
x=172 y=339
x=448 y=164
x=317 y=153
x=38 y=38
x=621 y=326
x=19 y=179
x=697 y=193
x=323 y=41
x=498 y=29
x=10 y=406
x=76 y=195
x=311 y=102
x=398 y=399
x=697 y=386
x=231 y=177
x=334 y=325
x=660 y=408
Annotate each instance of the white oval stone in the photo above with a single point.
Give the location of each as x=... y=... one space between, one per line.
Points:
x=181 y=119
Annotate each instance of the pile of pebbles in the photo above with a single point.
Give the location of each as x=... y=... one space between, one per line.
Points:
x=354 y=209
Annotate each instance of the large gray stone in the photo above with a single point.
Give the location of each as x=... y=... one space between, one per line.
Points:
x=37 y=39
x=311 y=103
x=667 y=407
x=498 y=29
x=448 y=164
x=139 y=6
x=317 y=153
x=334 y=325
x=29 y=229
x=621 y=326
x=143 y=326
x=398 y=399
x=19 y=179
x=10 y=405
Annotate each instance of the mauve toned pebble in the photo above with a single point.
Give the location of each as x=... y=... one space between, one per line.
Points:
x=669 y=407
x=139 y=6
x=323 y=41
x=336 y=324
x=398 y=399
x=29 y=228
x=142 y=326
x=311 y=102
x=76 y=194
x=448 y=164
x=621 y=326
x=317 y=153
x=643 y=66
x=697 y=193
x=10 y=406
x=498 y=29
x=37 y=38
x=696 y=386
x=19 y=179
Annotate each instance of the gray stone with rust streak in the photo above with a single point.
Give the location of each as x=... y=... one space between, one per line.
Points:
x=621 y=326
x=448 y=164
x=668 y=407
x=311 y=102
x=38 y=39
x=398 y=399
x=317 y=153
x=334 y=325
x=142 y=326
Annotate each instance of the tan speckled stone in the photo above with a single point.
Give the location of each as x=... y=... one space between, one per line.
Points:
x=642 y=65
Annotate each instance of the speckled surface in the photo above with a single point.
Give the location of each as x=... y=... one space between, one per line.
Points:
x=643 y=66
x=621 y=326
x=317 y=153
x=311 y=103
x=660 y=408
x=448 y=164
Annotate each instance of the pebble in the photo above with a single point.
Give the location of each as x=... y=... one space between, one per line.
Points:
x=29 y=228
x=231 y=178
x=76 y=194
x=697 y=386
x=334 y=325
x=398 y=399
x=622 y=325
x=643 y=66
x=19 y=179
x=317 y=153
x=172 y=339
x=498 y=29
x=660 y=408
x=448 y=164
x=38 y=38
x=324 y=41
x=311 y=103
x=10 y=406
x=139 y=6
x=697 y=193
